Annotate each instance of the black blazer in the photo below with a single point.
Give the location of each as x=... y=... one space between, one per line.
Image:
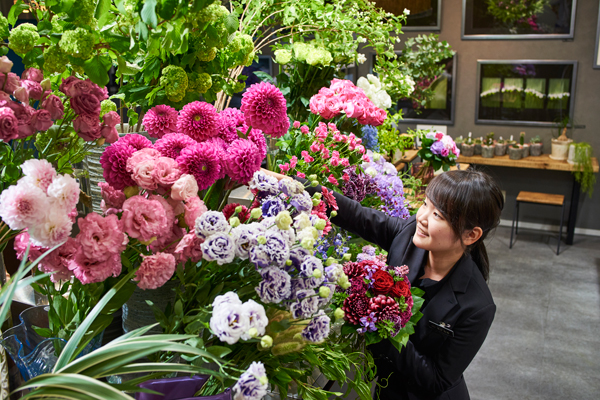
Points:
x=432 y=364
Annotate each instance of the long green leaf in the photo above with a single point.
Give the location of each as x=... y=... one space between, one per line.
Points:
x=135 y=333
x=77 y=383
x=68 y=352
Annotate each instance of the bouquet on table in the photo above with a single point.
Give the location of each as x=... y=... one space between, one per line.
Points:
x=438 y=151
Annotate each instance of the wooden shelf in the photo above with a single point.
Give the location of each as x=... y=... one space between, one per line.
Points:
x=542 y=162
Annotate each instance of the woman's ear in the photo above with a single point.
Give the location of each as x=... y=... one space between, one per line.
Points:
x=470 y=237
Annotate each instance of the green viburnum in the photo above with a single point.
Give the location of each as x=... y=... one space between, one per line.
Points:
x=212 y=13
x=283 y=56
x=22 y=38
x=78 y=43
x=199 y=82
x=175 y=81
x=85 y=15
x=200 y=48
x=3 y=26
x=107 y=106
x=238 y=87
x=57 y=26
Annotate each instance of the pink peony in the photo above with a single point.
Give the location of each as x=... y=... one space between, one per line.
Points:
x=34 y=89
x=114 y=165
x=86 y=104
x=87 y=127
x=184 y=188
x=111 y=119
x=265 y=108
x=39 y=173
x=160 y=120
x=155 y=270
x=188 y=248
x=100 y=237
x=9 y=124
x=64 y=192
x=33 y=74
x=200 y=160
x=258 y=138
x=23 y=206
x=9 y=82
x=111 y=197
x=95 y=271
x=54 y=228
x=142 y=174
x=54 y=106
x=242 y=160
x=41 y=120
x=136 y=141
x=194 y=208
x=166 y=171
x=198 y=120
x=5 y=64
x=171 y=144
x=144 y=219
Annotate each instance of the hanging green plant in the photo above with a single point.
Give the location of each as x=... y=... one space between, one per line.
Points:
x=584 y=169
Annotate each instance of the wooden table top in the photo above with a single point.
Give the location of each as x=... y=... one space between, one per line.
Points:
x=542 y=162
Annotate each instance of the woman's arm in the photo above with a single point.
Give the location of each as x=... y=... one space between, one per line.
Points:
x=372 y=225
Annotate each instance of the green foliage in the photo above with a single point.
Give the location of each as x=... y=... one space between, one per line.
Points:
x=175 y=81
x=535 y=139
x=3 y=27
x=584 y=169
x=513 y=11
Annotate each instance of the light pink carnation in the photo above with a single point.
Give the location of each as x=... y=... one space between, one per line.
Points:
x=198 y=120
x=265 y=108
x=99 y=236
x=166 y=171
x=54 y=106
x=95 y=271
x=155 y=270
x=40 y=172
x=201 y=160
x=188 y=248
x=111 y=197
x=184 y=188
x=144 y=219
x=242 y=160
x=55 y=228
x=23 y=205
x=64 y=192
x=178 y=207
x=9 y=125
x=160 y=120
x=194 y=208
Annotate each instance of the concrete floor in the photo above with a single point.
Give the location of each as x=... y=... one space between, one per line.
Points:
x=545 y=339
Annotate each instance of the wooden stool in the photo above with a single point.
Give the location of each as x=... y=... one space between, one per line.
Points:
x=538 y=198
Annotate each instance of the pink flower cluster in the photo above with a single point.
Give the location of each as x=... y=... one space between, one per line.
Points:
x=56 y=263
x=265 y=108
x=42 y=202
x=344 y=97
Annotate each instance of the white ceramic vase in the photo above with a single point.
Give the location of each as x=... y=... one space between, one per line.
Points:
x=560 y=149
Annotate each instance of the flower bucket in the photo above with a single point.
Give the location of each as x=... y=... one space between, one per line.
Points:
x=487 y=151
x=535 y=149
x=500 y=149
x=468 y=150
x=172 y=388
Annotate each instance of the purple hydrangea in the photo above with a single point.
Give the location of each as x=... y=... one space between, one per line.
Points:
x=218 y=247
x=306 y=305
x=368 y=253
x=317 y=329
x=437 y=147
x=253 y=383
x=275 y=285
x=272 y=206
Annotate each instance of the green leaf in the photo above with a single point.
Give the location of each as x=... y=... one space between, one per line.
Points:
x=142 y=31
x=219 y=351
x=167 y=8
x=148 y=13
x=15 y=11
x=102 y=13
x=97 y=68
x=125 y=68
x=264 y=77
x=232 y=23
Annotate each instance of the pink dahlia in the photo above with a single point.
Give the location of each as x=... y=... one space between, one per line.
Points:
x=258 y=138
x=201 y=160
x=242 y=160
x=144 y=219
x=230 y=119
x=89 y=270
x=198 y=120
x=265 y=108
x=171 y=144
x=160 y=120
x=114 y=163
x=136 y=141
x=39 y=173
x=155 y=270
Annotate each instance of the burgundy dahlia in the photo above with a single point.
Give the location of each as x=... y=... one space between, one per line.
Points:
x=354 y=270
x=265 y=108
x=384 y=307
x=355 y=307
x=114 y=163
x=171 y=144
x=198 y=120
x=160 y=120
x=201 y=160
x=242 y=160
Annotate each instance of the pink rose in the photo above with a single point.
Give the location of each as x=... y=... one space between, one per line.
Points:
x=9 y=124
x=155 y=270
x=334 y=162
x=143 y=174
x=100 y=237
x=178 y=207
x=66 y=84
x=111 y=197
x=77 y=87
x=4 y=96
x=89 y=270
x=296 y=124
x=304 y=129
x=188 y=248
x=284 y=168
x=87 y=127
x=184 y=188
x=9 y=82
x=144 y=219
x=33 y=74
x=166 y=171
x=5 y=65
x=21 y=94
x=445 y=152
x=86 y=104
x=345 y=162
x=194 y=208
x=110 y=134
x=33 y=88
x=41 y=120
x=54 y=106
x=293 y=162
x=111 y=119
x=145 y=154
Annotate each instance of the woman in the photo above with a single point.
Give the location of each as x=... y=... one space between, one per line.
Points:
x=443 y=247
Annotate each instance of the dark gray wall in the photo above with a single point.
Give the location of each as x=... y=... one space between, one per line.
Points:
x=587 y=112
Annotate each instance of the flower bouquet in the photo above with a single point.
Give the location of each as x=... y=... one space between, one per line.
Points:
x=438 y=151
x=380 y=303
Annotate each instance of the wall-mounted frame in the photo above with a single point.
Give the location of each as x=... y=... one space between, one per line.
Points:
x=525 y=92
x=597 y=52
x=425 y=15
x=492 y=19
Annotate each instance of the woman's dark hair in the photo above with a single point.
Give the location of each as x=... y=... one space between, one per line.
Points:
x=468 y=199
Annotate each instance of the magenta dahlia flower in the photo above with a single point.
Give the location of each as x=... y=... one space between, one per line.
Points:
x=258 y=138
x=114 y=163
x=242 y=160
x=202 y=161
x=230 y=120
x=160 y=120
x=171 y=144
x=265 y=108
x=198 y=120
x=134 y=140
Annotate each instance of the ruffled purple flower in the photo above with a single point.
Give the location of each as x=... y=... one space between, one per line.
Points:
x=253 y=383
x=245 y=238
x=229 y=322
x=437 y=147
x=306 y=305
x=210 y=223
x=277 y=248
x=218 y=247
x=297 y=256
x=272 y=206
x=298 y=284
x=264 y=184
x=302 y=202
x=275 y=286
x=290 y=188
x=309 y=265
x=317 y=329
x=368 y=253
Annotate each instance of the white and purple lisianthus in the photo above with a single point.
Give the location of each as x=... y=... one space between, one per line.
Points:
x=245 y=238
x=253 y=383
x=306 y=305
x=210 y=223
x=317 y=329
x=229 y=322
x=218 y=247
x=264 y=184
x=275 y=285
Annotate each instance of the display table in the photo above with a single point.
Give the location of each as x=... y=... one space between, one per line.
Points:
x=409 y=155
x=542 y=162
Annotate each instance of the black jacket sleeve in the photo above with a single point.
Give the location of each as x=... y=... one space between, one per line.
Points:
x=437 y=373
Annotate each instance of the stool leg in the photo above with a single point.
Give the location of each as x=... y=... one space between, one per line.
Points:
x=517 y=226
x=562 y=214
x=515 y=214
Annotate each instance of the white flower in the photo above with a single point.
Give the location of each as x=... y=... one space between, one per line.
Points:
x=253 y=383
x=302 y=221
x=406 y=11
x=373 y=80
x=382 y=100
x=64 y=193
x=227 y=298
x=218 y=247
x=40 y=173
x=245 y=237
x=54 y=229
x=361 y=58
x=257 y=318
x=229 y=322
x=210 y=223
x=23 y=205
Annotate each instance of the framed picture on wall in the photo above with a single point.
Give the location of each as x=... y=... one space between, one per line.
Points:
x=518 y=19
x=597 y=52
x=525 y=92
x=425 y=15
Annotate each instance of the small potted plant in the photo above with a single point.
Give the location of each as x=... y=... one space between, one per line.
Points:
x=560 y=144
x=535 y=146
x=584 y=169
x=459 y=141
x=478 y=143
x=468 y=147
x=515 y=152
x=488 y=148
x=500 y=149
x=524 y=145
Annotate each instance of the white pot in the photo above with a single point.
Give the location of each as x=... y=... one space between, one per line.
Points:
x=571 y=157
x=560 y=149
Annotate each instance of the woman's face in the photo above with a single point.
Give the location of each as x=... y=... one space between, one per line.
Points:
x=434 y=233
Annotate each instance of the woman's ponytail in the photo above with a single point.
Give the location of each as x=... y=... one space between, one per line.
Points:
x=479 y=255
